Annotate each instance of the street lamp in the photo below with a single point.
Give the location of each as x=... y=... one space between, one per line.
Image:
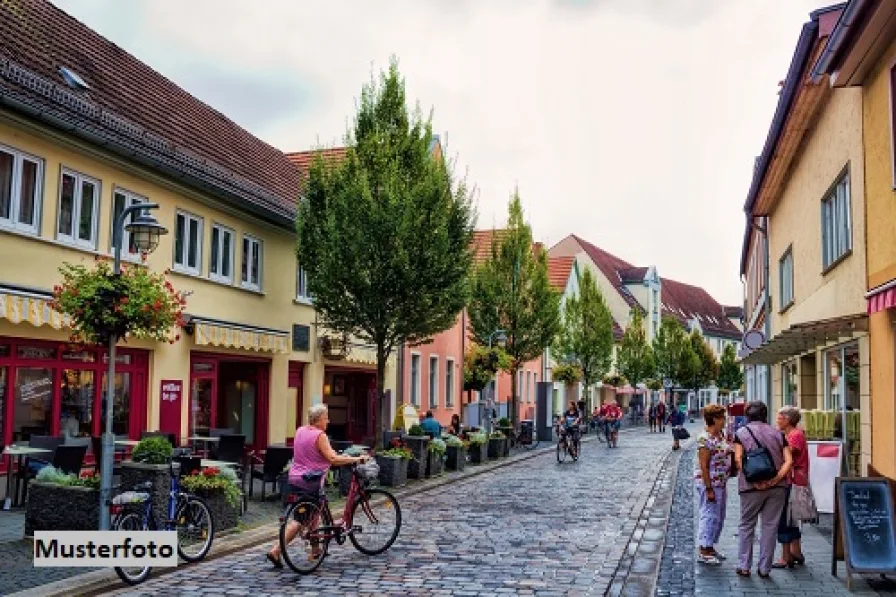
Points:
x=500 y=339
x=145 y=231
x=667 y=383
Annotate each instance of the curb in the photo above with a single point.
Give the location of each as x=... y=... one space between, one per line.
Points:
x=101 y=581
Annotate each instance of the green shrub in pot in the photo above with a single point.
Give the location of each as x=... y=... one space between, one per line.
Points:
x=153 y=450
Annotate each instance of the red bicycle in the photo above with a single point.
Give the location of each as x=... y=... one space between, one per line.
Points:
x=371 y=521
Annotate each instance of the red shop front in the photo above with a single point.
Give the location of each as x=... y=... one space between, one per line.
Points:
x=52 y=388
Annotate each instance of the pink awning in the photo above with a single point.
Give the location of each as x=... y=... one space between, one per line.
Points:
x=880 y=301
x=625 y=390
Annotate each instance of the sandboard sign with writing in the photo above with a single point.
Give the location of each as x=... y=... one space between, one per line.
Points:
x=864 y=532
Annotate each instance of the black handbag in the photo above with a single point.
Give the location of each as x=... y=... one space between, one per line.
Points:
x=758 y=464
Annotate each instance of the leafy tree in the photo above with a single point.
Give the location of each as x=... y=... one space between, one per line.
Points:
x=385 y=233
x=586 y=333
x=635 y=359
x=511 y=292
x=731 y=376
x=698 y=366
x=480 y=366
x=668 y=345
x=567 y=374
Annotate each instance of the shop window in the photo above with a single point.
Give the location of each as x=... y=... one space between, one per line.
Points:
x=21 y=178
x=120 y=359
x=788 y=383
x=82 y=356
x=76 y=411
x=78 y=203
x=36 y=352
x=4 y=352
x=4 y=377
x=202 y=406
x=121 y=404
x=33 y=406
x=203 y=367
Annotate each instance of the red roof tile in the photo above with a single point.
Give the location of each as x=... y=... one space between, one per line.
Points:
x=559 y=270
x=685 y=302
x=138 y=111
x=610 y=266
x=632 y=274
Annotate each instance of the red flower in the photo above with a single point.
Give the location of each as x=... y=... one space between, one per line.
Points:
x=125 y=300
x=157 y=304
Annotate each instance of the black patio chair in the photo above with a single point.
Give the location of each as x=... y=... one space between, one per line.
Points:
x=169 y=436
x=268 y=468
x=188 y=464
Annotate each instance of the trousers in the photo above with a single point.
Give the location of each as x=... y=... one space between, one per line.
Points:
x=712 y=516
x=755 y=505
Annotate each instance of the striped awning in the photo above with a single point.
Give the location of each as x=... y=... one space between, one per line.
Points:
x=882 y=298
x=212 y=332
x=20 y=305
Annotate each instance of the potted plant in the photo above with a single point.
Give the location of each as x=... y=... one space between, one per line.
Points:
x=418 y=442
x=393 y=464
x=220 y=488
x=566 y=373
x=506 y=428
x=150 y=462
x=455 y=453
x=478 y=447
x=496 y=444
x=62 y=502
x=436 y=457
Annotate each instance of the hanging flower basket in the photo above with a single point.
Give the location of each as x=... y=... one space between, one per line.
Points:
x=102 y=305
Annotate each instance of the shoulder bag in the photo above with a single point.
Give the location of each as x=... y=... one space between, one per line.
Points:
x=758 y=464
x=802 y=506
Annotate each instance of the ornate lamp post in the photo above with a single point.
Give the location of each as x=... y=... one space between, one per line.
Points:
x=145 y=231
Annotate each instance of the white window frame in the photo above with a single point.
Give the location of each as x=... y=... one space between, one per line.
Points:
x=520 y=387
x=302 y=293
x=449 y=382
x=433 y=381
x=77 y=207
x=219 y=262
x=247 y=282
x=785 y=279
x=416 y=378
x=836 y=223
x=12 y=222
x=534 y=386
x=130 y=198
x=185 y=243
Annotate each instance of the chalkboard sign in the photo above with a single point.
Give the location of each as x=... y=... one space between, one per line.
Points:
x=864 y=535
x=301 y=335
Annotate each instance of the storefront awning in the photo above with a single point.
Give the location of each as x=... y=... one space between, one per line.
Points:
x=214 y=332
x=31 y=306
x=804 y=337
x=881 y=298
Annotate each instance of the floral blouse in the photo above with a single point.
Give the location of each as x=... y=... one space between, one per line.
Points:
x=719 y=459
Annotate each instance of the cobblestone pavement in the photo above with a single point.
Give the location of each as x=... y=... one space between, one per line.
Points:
x=681 y=575
x=533 y=528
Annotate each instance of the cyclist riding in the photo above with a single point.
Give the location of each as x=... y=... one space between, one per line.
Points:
x=570 y=422
x=611 y=413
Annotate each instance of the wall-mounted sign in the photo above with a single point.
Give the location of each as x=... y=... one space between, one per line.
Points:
x=170 y=406
x=301 y=338
x=754 y=339
x=172 y=390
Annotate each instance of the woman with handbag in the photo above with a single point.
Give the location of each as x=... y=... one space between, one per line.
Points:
x=676 y=421
x=800 y=501
x=764 y=461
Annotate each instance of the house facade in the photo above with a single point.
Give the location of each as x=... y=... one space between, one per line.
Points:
x=79 y=141
x=860 y=59
x=808 y=192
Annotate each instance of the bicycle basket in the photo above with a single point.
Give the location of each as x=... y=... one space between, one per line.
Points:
x=370 y=470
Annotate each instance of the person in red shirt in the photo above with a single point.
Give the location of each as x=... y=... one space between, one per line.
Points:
x=611 y=413
x=789 y=534
x=661 y=415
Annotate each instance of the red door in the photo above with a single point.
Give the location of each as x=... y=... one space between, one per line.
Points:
x=170 y=407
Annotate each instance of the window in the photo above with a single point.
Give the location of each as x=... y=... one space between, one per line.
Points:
x=220 y=264
x=433 y=382
x=415 y=379
x=188 y=243
x=788 y=384
x=785 y=279
x=252 y=261
x=836 y=236
x=534 y=387
x=120 y=200
x=302 y=292
x=21 y=178
x=528 y=385
x=78 y=203
x=449 y=382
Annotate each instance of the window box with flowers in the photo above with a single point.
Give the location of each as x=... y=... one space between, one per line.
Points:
x=393 y=464
x=62 y=502
x=220 y=488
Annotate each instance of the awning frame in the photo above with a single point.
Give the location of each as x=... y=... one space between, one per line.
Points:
x=247 y=337
x=802 y=338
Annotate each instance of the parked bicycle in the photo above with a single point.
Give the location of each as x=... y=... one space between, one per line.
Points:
x=528 y=440
x=567 y=445
x=371 y=520
x=188 y=514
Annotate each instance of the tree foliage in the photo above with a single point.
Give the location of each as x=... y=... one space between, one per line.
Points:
x=731 y=376
x=511 y=292
x=480 y=366
x=566 y=373
x=586 y=334
x=635 y=359
x=699 y=366
x=385 y=233
x=668 y=346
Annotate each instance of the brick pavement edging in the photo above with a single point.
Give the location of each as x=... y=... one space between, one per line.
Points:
x=96 y=583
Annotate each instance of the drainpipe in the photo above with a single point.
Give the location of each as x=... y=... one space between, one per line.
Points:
x=767 y=324
x=463 y=355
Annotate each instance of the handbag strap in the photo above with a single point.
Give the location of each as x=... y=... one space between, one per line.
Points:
x=756 y=441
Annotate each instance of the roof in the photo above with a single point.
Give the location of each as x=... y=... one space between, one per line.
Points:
x=686 y=302
x=132 y=110
x=735 y=312
x=611 y=266
x=632 y=275
x=559 y=270
x=617 y=332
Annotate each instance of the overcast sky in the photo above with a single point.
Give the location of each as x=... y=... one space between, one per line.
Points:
x=632 y=123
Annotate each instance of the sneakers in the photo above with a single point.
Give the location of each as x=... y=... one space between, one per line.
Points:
x=719 y=555
x=708 y=559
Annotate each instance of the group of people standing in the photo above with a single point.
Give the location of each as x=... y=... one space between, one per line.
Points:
x=779 y=503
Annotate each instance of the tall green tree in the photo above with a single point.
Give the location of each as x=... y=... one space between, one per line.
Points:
x=699 y=366
x=731 y=376
x=511 y=292
x=586 y=334
x=668 y=346
x=635 y=358
x=385 y=234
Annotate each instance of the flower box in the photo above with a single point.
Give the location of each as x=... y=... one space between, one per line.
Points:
x=53 y=507
x=456 y=458
x=508 y=433
x=134 y=473
x=393 y=471
x=224 y=516
x=419 y=446
x=435 y=464
x=496 y=447
x=478 y=453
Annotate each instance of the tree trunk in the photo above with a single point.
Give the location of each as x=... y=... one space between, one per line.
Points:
x=381 y=412
x=513 y=389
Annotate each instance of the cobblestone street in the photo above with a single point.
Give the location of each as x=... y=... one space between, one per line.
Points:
x=531 y=528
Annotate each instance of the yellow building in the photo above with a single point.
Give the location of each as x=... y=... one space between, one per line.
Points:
x=807 y=197
x=86 y=129
x=860 y=59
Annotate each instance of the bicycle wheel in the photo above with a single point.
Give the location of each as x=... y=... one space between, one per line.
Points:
x=375 y=526
x=561 y=451
x=308 y=547
x=195 y=528
x=131 y=521
x=532 y=444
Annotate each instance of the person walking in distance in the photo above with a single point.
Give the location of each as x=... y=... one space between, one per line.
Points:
x=676 y=422
x=661 y=416
x=651 y=417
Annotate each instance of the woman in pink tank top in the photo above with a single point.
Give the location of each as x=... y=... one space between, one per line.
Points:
x=312 y=453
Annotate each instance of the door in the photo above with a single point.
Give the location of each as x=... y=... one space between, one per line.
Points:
x=170 y=407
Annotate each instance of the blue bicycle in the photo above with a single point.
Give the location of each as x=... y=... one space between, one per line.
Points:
x=188 y=514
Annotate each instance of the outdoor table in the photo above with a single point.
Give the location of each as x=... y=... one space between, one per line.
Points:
x=204 y=440
x=217 y=463
x=18 y=452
